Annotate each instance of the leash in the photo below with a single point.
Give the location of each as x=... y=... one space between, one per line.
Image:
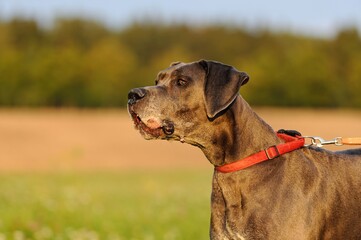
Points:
x=293 y=141
x=338 y=141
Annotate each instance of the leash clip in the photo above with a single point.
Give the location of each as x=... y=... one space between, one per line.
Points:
x=320 y=142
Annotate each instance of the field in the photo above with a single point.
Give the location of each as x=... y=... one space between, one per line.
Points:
x=70 y=174
x=105 y=205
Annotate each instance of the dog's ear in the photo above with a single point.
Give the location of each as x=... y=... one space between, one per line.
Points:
x=221 y=86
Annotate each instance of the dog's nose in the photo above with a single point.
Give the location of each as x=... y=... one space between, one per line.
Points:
x=136 y=94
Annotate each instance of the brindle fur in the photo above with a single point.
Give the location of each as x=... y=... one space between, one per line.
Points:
x=306 y=194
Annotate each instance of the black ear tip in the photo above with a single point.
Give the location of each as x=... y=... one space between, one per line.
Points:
x=244 y=78
x=204 y=64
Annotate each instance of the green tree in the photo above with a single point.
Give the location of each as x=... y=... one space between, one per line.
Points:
x=81 y=63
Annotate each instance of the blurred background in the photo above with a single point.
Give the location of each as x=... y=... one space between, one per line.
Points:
x=71 y=164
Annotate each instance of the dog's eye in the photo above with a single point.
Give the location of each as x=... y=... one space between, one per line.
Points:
x=181 y=82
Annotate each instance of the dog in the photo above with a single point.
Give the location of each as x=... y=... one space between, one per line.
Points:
x=307 y=193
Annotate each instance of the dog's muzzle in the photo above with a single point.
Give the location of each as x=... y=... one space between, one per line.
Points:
x=166 y=126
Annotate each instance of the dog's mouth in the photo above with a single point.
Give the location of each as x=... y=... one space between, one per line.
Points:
x=152 y=128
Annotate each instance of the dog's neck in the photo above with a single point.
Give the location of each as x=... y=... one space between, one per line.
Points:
x=242 y=134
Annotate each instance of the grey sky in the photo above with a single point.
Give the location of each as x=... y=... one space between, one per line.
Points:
x=317 y=17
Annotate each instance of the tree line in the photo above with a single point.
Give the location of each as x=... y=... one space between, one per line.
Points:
x=82 y=63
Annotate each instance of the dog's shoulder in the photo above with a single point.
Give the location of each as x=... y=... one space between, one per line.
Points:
x=335 y=160
x=351 y=152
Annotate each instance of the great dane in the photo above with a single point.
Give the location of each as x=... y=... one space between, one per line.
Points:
x=307 y=193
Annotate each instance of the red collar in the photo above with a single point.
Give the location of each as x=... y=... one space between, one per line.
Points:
x=291 y=144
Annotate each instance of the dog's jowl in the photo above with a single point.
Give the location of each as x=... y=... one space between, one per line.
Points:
x=307 y=193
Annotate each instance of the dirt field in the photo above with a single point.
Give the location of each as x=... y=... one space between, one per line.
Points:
x=38 y=140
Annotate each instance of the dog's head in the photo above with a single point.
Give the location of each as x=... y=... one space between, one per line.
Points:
x=184 y=96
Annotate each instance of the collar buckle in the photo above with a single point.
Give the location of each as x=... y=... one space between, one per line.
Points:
x=269 y=153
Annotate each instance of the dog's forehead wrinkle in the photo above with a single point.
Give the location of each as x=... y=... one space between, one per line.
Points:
x=161 y=75
x=167 y=75
x=191 y=71
x=175 y=73
x=180 y=70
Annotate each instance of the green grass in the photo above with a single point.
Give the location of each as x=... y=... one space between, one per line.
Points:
x=108 y=205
